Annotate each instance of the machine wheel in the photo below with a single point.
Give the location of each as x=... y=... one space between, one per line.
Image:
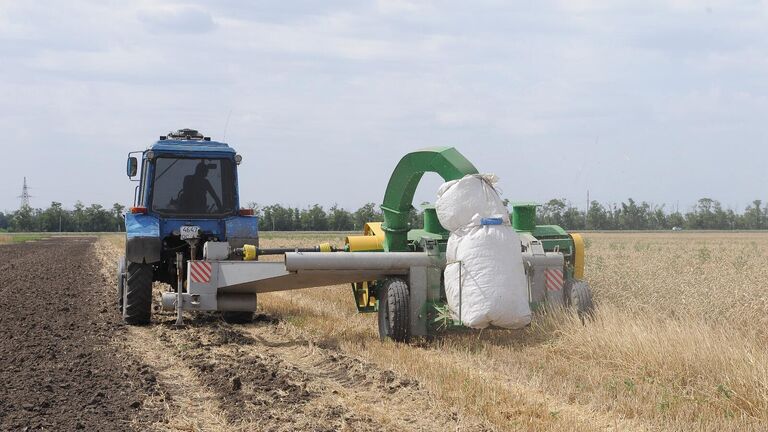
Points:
x=137 y=298
x=579 y=296
x=120 y=283
x=393 y=310
x=237 y=317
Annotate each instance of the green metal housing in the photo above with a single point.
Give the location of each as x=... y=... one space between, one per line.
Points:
x=553 y=237
x=524 y=216
x=398 y=198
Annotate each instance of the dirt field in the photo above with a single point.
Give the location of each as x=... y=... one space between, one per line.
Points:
x=70 y=364
x=64 y=366
x=678 y=344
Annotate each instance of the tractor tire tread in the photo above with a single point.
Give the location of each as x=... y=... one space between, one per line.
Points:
x=395 y=294
x=579 y=295
x=120 y=283
x=137 y=308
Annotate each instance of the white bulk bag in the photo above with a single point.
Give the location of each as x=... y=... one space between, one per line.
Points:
x=484 y=277
x=465 y=201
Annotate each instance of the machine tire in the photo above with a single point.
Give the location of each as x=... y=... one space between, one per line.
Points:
x=393 y=310
x=578 y=295
x=237 y=317
x=120 y=283
x=137 y=301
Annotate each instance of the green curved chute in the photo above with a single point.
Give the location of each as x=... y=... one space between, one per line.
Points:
x=398 y=199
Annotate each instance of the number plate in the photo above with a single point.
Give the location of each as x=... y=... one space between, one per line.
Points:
x=189 y=232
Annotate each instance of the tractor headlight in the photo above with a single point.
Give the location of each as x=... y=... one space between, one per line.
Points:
x=150 y=154
x=238 y=159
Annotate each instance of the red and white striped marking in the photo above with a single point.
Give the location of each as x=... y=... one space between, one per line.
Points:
x=200 y=271
x=554 y=279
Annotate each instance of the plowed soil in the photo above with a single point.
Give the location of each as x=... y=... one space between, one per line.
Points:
x=69 y=363
x=61 y=364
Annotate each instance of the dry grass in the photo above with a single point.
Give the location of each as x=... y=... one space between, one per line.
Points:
x=678 y=342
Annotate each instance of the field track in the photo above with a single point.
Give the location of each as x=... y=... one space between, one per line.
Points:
x=69 y=363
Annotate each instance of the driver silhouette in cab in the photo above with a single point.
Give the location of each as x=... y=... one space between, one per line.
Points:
x=195 y=189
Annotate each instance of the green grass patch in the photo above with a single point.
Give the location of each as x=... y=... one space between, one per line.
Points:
x=20 y=237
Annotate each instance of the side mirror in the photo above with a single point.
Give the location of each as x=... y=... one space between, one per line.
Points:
x=132 y=166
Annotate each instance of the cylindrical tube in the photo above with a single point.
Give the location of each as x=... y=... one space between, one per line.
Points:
x=236 y=302
x=355 y=261
x=524 y=217
x=431 y=222
x=280 y=251
x=169 y=301
x=179 y=288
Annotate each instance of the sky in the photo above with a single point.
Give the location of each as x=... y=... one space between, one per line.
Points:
x=664 y=102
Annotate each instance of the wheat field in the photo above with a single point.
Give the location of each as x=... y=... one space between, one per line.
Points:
x=678 y=342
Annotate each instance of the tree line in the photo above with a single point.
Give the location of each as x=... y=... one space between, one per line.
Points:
x=630 y=215
x=55 y=218
x=275 y=217
x=707 y=214
x=96 y=218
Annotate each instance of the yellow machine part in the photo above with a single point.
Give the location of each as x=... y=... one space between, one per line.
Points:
x=371 y=240
x=365 y=298
x=249 y=252
x=578 y=256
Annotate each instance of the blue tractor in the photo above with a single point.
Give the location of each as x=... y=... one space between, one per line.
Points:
x=186 y=195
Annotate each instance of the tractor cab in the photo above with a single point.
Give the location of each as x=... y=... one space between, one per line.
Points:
x=185 y=174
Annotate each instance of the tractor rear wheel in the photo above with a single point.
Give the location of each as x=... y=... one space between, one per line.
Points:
x=393 y=298
x=237 y=317
x=579 y=296
x=137 y=298
x=120 y=283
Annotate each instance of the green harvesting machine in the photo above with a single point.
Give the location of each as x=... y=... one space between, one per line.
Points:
x=553 y=258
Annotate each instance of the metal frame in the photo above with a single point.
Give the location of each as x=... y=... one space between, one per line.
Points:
x=234 y=285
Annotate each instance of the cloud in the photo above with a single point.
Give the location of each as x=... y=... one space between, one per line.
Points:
x=176 y=19
x=332 y=84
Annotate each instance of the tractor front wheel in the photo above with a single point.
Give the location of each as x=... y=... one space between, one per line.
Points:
x=393 y=298
x=137 y=297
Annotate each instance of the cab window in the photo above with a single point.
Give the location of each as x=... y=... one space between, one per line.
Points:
x=185 y=186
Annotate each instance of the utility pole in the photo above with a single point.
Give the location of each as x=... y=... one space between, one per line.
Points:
x=25 y=195
x=586 y=212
